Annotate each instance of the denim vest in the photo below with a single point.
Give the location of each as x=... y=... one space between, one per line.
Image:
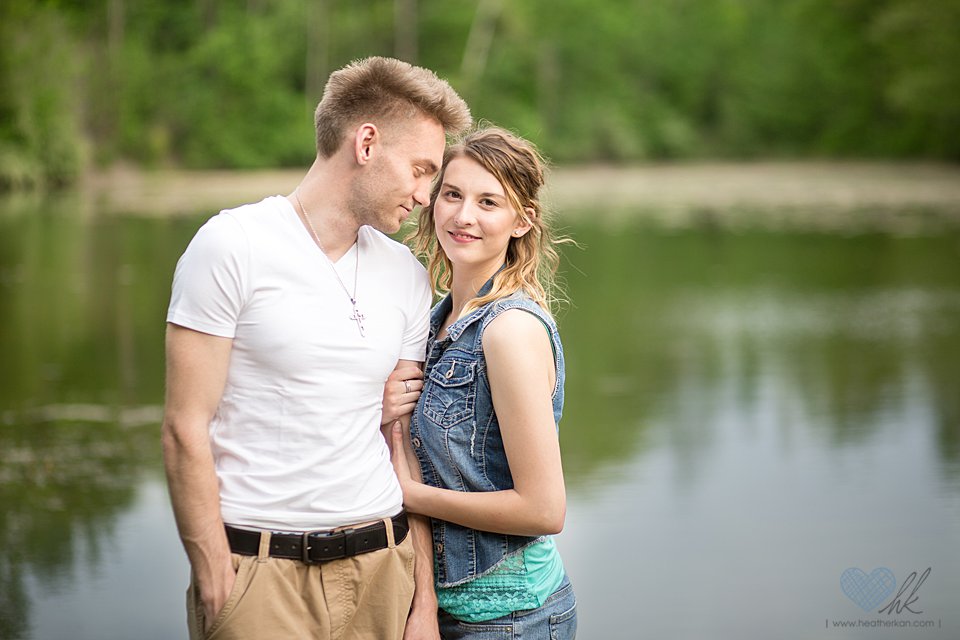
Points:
x=456 y=435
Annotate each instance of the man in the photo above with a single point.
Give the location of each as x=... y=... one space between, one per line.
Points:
x=287 y=317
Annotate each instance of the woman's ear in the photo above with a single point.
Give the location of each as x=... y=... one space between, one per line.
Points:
x=524 y=223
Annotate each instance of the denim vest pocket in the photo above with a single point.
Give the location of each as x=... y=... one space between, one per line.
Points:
x=451 y=397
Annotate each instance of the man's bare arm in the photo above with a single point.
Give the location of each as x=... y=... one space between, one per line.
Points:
x=197 y=366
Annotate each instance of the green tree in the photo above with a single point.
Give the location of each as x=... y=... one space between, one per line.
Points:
x=232 y=83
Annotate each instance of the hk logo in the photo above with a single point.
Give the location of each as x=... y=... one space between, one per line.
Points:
x=868 y=591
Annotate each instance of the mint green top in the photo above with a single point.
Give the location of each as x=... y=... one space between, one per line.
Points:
x=522 y=581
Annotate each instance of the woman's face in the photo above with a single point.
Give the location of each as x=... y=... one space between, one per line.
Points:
x=473 y=217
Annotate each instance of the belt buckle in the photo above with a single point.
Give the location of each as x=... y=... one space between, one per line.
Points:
x=349 y=542
x=305 y=545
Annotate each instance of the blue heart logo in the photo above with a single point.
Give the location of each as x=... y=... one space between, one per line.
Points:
x=868 y=591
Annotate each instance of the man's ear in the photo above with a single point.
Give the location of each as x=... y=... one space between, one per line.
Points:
x=366 y=138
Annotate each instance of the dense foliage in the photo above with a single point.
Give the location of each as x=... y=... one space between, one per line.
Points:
x=230 y=83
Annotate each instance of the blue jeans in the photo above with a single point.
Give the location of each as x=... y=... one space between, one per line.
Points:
x=556 y=619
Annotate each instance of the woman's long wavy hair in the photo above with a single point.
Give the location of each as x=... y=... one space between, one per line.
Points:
x=532 y=259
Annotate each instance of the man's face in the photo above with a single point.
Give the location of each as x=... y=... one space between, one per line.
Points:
x=398 y=177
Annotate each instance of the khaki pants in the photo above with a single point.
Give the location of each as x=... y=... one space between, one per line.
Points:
x=366 y=597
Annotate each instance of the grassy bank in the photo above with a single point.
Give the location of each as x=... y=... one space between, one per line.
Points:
x=837 y=195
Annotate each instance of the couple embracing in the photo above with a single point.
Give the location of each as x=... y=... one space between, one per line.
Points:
x=343 y=460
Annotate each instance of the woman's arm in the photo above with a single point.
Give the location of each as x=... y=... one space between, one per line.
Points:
x=522 y=375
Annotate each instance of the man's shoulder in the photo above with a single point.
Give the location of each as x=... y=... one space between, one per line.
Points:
x=253 y=213
x=231 y=228
x=388 y=249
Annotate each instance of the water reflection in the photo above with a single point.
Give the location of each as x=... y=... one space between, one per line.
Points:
x=62 y=486
x=748 y=414
x=751 y=415
x=841 y=358
x=843 y=326
x=80 y=390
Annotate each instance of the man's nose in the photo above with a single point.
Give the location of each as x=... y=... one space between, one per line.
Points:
x=422 y=194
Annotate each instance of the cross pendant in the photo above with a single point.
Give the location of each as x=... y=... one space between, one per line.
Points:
x=358 y=317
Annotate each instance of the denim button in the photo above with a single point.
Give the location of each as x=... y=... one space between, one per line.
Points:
x=416 y=442
x=440 y=547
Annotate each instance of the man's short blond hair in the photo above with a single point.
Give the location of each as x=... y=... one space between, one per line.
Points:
x=384 y=90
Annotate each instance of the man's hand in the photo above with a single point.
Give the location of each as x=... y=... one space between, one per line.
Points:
x=422 y=624
x=214 y=601
x=422 y=621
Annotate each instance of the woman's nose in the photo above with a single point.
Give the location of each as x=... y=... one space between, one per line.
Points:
x=464 y=215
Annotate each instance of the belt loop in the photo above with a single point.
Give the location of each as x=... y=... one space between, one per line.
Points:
x=391 y=540
x=264 y=551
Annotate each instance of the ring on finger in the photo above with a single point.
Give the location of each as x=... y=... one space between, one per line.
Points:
x=406 y=386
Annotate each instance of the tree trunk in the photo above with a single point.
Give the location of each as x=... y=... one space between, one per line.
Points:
x=116 y=26
x=405 y=33
x=318 y=50
x=208 y=14
x=548 y=85
x=480 y=39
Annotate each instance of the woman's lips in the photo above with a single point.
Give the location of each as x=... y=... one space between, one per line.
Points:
x=459 y=236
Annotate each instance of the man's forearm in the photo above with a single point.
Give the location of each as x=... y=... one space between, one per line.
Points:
x=424 y=594
x=422 y=621
x=197 y=365
x=195 y=495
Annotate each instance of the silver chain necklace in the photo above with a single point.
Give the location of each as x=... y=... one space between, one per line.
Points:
x=357 y=316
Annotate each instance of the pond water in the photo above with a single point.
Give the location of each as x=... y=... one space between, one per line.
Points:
x=761 y=429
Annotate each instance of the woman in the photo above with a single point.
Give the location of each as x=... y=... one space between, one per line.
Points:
x=484 y=432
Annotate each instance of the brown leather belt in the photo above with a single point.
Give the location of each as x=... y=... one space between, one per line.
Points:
x=315 y=547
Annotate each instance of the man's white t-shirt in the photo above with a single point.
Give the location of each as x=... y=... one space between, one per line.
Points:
x=296 y=438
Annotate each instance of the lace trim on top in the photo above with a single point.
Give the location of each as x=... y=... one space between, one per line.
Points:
x=512 y=586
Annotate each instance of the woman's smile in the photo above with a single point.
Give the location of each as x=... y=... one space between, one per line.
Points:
x=463 y=237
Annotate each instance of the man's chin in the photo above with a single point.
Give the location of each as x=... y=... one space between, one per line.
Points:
x=388 y=227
